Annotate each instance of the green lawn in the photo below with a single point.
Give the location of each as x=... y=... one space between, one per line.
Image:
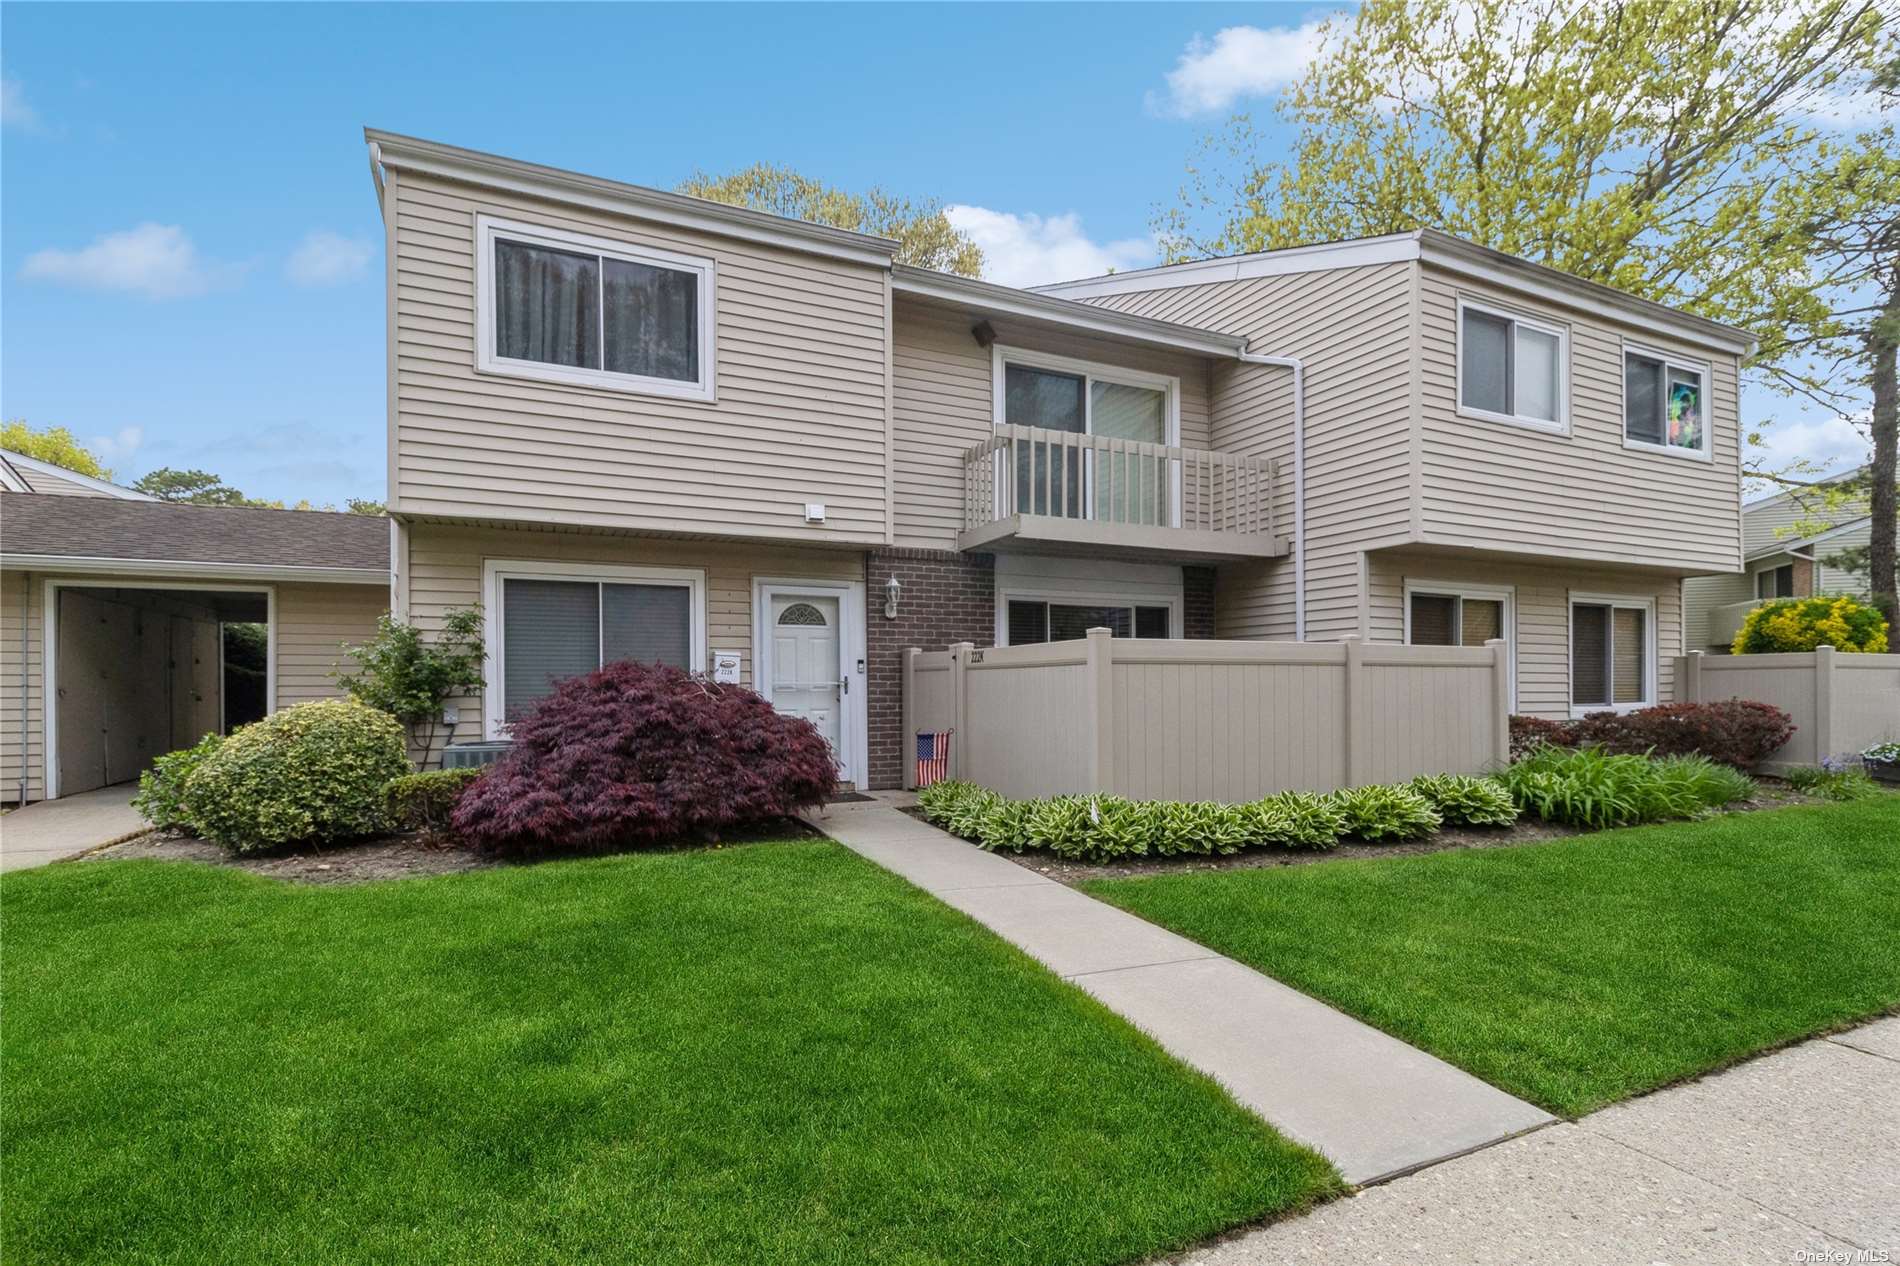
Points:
x=771 y=1053
x=1580 y=972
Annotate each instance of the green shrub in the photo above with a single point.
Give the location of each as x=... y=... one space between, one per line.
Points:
x=1802 y=624
x=1462 y=800
x=1385 y=813
x=1832 y=782
x=1589 y=788
x=313 y=773
x=1295 y=819
x=161 y=795
x=423 y=802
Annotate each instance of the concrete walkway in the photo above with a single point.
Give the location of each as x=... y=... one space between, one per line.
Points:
x=1786 y=1158
x=49 y=830
x=1372 y=1104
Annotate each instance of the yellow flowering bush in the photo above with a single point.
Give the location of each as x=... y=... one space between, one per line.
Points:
x=312 y=773
x=1801 y=624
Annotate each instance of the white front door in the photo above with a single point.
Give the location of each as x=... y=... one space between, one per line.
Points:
x=807 y=671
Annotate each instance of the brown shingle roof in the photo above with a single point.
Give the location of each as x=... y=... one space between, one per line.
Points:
x=160 y=531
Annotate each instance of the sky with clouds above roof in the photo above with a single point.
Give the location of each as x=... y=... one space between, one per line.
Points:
x=191 y=265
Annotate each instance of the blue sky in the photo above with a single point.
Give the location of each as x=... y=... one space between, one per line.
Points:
x=190 y=268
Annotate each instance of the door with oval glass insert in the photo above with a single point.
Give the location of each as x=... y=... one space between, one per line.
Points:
x=806 y=672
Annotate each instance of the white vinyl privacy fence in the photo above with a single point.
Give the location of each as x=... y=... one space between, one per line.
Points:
x=1208 y=720
x=1840 y=704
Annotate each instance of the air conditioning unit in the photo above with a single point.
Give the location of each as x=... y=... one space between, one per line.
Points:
x=472 y=755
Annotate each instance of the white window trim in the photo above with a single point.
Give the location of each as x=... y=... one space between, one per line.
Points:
x=1506 y=594
x=1174 y=602
x=487 y=228
x=1560 y=332
x=854 y=725
x=1647 y=605
x=49 y=656
x=1091 y=371
x=1705 y=453
x=497 y=570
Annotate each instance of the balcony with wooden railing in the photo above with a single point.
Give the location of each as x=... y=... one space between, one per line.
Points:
x=1060 y=492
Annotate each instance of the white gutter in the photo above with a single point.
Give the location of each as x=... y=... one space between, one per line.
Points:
x=59 y=564
x=1299 y=480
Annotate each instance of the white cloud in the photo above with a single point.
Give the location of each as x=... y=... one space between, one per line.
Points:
x=120 y=445
x=1240 y=61
x=155 y=260
x=1829 y=445
x=324 y=258
x=15 y=111
x=1031 y=250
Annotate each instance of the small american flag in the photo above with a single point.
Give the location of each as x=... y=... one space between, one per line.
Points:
x=933 y=757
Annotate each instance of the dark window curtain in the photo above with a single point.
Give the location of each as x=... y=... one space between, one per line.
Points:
x=1487 y=362
x=1068 y=623
x=550 y=631
x=650 y=624
x=547 y=305
x=1028 y=623
x=652 y=321
x=1151 y=622
x=1589 y=655
x=1643 y=398
x=1434 y=620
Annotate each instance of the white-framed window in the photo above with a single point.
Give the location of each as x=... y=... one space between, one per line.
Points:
x=571 y=308
x=1665 y=403
x=1612 y=653
x=1452 y=613
x=550 y=621
x=1512 y=368
x=1058 y=393
x=1775 y=582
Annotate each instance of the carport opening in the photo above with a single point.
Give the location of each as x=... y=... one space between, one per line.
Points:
x=142 y=672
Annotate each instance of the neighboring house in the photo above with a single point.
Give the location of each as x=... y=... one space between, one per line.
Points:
x=1783 y=556
x=111 y=613
x=633 y=424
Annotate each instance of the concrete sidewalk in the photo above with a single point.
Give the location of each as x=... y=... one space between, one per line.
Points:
x=1375 y=1106
x=1782 y=1159
x=49 y=830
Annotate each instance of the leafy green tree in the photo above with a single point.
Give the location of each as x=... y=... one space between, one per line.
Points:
x=193 y=487
x=53 y=444
x=1661 y=147
x=923 y=232
x=400 y=673
x=361 y=505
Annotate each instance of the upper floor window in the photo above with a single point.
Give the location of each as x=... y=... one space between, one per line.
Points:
x=1775 y=582
x=1512 y=369
x=570 y=308
x=1665 y=403
x=1055 y=393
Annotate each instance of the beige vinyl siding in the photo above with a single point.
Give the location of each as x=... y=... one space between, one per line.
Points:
x=1352 y=328
x=943 y=384
x=1491 y=485
x=57 y=485
x=312 y=620
x=1541 y=595
x=1772 y=521
x=1253 y=411
x=800 y=379
x=1833 y=580
x=445 y=571
x=313 y=623
x=1700 y=594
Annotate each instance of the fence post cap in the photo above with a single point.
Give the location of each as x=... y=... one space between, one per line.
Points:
x=1101 y=630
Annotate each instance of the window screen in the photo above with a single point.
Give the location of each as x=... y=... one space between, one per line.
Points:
x=651 y=624
x=547 y=305
x=1776 y=582
x=1487 y=362
x=1642 y=398
x=1481 y=619
x=1151 y=621
x=1629 y=650
x=1434 y=620
x=550 y=631
x=1028 y=623
x=1031 y=622
x=1536 y=373
x=652 y=321
x=1042 y=397
x=1589 y=655
x=1067 y=623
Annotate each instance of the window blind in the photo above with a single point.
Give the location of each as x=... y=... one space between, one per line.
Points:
x=1483 y=620
x=1629 y=646
x=550 y=631
x=1434 y=619
x=650 y=624
x=1589 y=655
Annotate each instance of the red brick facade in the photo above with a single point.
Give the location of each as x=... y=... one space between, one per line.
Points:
x=947 y=597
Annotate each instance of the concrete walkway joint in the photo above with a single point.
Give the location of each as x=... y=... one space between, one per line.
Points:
x=1374 y=1105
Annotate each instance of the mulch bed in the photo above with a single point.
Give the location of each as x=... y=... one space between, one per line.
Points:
x=1775 y=794
x=385 y=857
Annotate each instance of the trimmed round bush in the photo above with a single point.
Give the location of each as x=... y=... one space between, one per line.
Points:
x=311 y=774
x=1802 y=624
x=425 y=802
x=642 y=754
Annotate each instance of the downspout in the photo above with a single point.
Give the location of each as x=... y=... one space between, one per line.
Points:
x=1299 y=480
x=26 y=677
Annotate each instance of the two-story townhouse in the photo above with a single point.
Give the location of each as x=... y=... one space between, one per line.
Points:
x=1788 y=542
x=633 y=424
